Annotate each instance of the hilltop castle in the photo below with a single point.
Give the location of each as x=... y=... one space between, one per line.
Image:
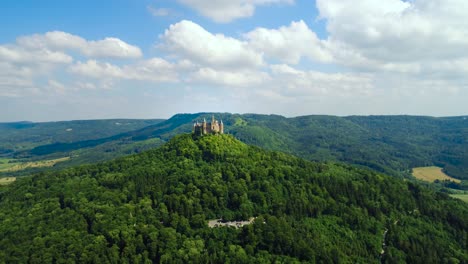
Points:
x=214 y=127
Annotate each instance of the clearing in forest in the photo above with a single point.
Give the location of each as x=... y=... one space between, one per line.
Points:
x=463 y=197
x=17 y=166
x=431 y=174
x=7 y=180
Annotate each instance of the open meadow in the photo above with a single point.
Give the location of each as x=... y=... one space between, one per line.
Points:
x=462 y=196
x=8 y=166
x=7 y=180
x=431 y=174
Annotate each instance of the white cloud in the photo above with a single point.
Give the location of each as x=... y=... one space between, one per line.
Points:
x=229 y=78
x=95 y=69
x=224 y=11
x=154 y=70
x=397 y=32
x=56 y=86
x=85 y=85
x=25 y=64
x=21 y=55
x=455 y=69
x=111 y=47
x=187 y=39
x=294 y=82
x=16 y=80
x=380 y=57
x=289 y=44
x=20 y=67
x=62 y=41
x=159 y=12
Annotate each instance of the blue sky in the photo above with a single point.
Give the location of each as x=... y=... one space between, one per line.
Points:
x=62 y=60
x=132 y=21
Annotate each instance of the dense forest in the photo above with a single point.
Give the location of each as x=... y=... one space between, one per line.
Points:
x=388 y=144
x=155 y=206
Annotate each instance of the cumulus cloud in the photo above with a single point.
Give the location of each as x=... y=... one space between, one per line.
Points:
x=220 y=60
x=289 y=43
x=189 y=40
x=17 y=54
x=26 y=63
x=58 y=40
x=395 y=32
x=229 y=78
x=224 y=11
x=294 y=82
x=384 y=57
x=16 y=80
x=155 y=70
x=20 y=67
x=95 y=69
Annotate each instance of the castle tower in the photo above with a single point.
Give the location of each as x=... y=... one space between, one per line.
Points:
x=204 y=126
x=213 y=124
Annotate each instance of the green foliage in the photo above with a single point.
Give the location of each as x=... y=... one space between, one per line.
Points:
x=154 y=207
x=82 y=141
x=388 y=144
x=22 y=136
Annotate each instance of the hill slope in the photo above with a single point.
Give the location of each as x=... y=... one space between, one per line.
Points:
x=389 y=144
x=20 y=136
x=155 y=206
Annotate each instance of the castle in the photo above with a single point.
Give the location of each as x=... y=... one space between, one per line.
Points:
x=204 y=128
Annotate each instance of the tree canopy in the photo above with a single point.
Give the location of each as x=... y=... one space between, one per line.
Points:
x=155 y=206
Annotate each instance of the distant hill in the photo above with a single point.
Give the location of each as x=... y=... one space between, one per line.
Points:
x=155 y=207
x=390 y=144
x=25 y=135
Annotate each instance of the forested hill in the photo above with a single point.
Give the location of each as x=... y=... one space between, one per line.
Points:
x=20 y=136
x=155 y=206
x=390 y=144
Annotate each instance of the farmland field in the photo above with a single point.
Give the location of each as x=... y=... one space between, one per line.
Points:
x=5 y=166
x=431 y=174
x=7 y=180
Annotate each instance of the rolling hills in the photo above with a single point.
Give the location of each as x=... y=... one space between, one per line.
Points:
x=155 y=207
x=19 y=136
x=390 y=144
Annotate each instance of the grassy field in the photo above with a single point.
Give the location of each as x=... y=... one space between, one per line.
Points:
x=17 y=166
x=463 y=197
x=7 y=180
x=4 y=164
x=431 y=174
